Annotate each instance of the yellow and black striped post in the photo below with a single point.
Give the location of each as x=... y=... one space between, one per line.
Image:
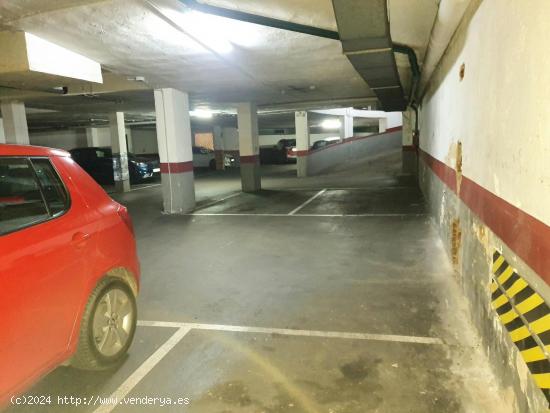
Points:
x=526 y=317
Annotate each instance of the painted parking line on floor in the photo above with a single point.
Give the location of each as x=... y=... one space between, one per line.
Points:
x=310 y=200
x=293 y=332
x=182 y=329
x=248 y=214
x=127 y=386
x=145 y=187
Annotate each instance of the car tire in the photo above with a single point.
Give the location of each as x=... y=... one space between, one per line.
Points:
x=212 y=164
x=104 y=341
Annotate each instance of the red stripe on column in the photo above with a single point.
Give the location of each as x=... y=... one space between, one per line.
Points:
x=528 y=237
x=176 y=167
x=409 y=148
x=302 y=153
x=249 y=159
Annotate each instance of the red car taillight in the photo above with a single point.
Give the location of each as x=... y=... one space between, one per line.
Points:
x=123 y=213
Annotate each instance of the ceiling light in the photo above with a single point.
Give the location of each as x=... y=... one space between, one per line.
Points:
x=201 y=113
x=206 y=29
x=331 y=124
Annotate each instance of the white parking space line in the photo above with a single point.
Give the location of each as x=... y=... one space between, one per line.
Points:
x=206 y=214
x=143 y=370
x=292 y=332
x=145 y=187
x=318 y=194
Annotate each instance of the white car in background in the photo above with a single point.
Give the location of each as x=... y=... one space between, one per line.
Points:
x=206 y=158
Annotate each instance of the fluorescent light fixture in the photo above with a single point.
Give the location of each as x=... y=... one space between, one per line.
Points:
x=331 y=124
x=201 y=113
x=45 y=57
x=204 y=28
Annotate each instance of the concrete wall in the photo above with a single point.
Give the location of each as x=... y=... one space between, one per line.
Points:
x=61 y=139
x=144 y=141
x=485 y=140
x=352 y=149
x=74 y=138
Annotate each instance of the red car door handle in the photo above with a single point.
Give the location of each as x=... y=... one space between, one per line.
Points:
x=79 y=239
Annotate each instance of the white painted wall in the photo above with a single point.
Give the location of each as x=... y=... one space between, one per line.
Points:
x=144 y=141
x=394 y=119
x=501 y=110
x=230 y=138
x=61 y=139
x=75 y=138
x=104 y=136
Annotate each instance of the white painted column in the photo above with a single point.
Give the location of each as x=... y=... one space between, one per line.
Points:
x=346 y=126
x=175 y=150
x=217 y=132
x=2 y=136
x=302 y=143
x=120 y=152
x=92 y=137
x=249 y=146
x=15 y=123
x=382 y=125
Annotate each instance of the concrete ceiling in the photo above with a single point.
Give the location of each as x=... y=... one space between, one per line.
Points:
x=275 y=68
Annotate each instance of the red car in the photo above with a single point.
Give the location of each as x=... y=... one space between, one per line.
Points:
x=69 y=272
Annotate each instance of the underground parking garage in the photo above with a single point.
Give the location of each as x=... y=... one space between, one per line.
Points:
x=274 y=206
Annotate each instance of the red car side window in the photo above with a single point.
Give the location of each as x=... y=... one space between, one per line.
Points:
x=21 y=201
x=52 y=187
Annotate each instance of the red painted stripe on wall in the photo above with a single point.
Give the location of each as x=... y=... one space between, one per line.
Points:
x=394 y=129
x=444 y=172
x=176 y=167
x=528 y=237
x=249 y=159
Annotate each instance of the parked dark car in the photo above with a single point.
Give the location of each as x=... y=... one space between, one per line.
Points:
x=287 y=148
x=98 y=162
x=324 y=142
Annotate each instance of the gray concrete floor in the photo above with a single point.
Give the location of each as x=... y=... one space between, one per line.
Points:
x=266 y=290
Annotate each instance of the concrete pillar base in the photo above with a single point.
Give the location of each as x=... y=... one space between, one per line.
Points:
x=178 y=192
x=301 y=166
x=409 y=161
x=122 y=186
x=250 y=177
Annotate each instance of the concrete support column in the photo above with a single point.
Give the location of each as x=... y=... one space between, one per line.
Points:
x=15 y=123
x=346 y=126
x=302 y=143
x=409 y=154
x=382 y=125
x=175 y=150
x=92 y=137
x=120 y=153
x=217 y=132
x=249 y=147
x=2 y=136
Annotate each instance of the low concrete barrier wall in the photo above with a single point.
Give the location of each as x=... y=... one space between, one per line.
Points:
x=351 y=149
